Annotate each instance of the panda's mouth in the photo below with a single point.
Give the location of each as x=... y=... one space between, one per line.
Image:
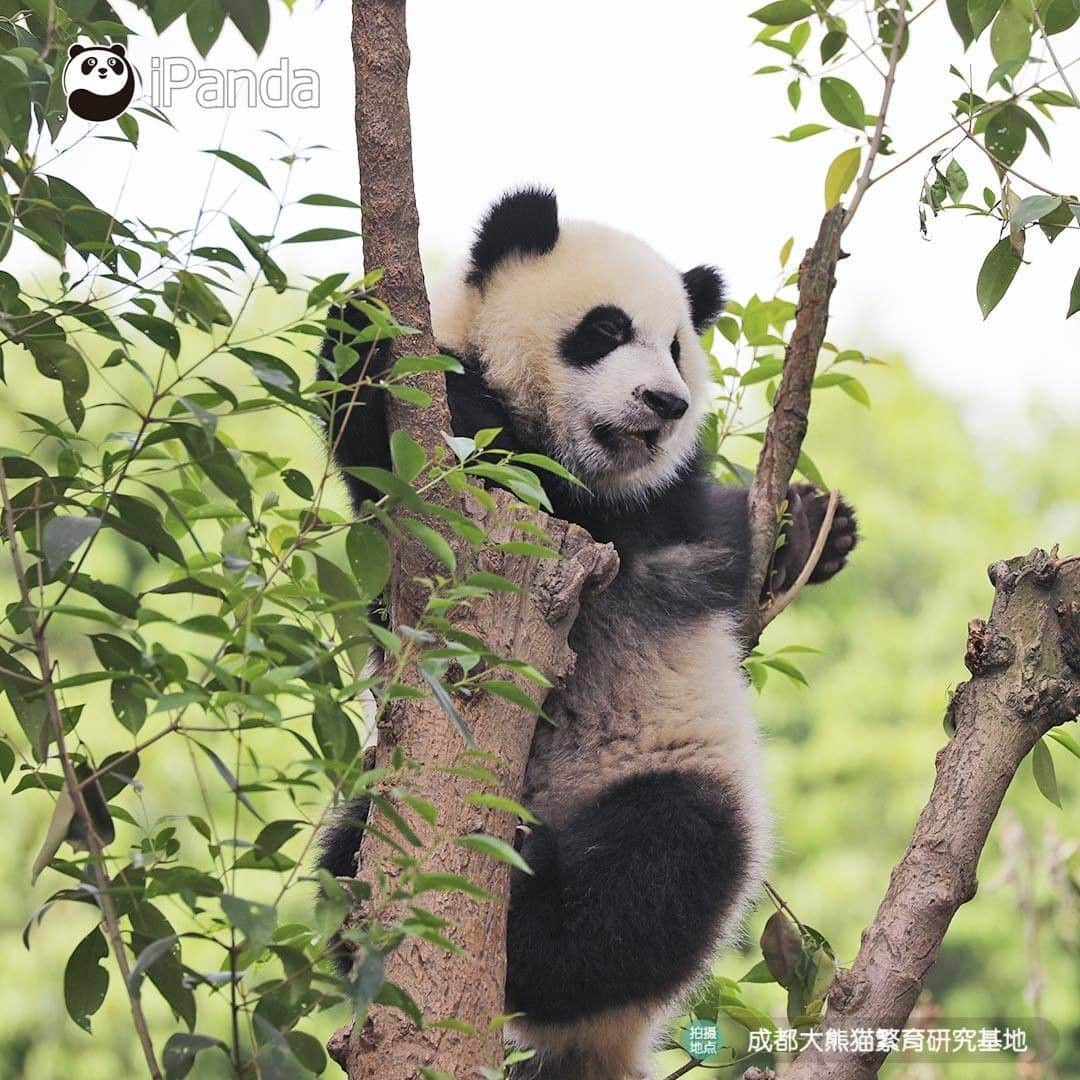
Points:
x=623 y=443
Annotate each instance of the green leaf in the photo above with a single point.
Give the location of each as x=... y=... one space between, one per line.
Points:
x=190 y=297
x=7 y=760
x=1065 y=739
x=63 y=536
x=832 y=43
x=275 y=276
x=1010 y=36
x=781 y=948
x=366 y=979
x=245 y=166
x=153 y=952
x=1042 y=766
x=958 y=15
x=226 y=774
x=841 y=174
x=85 y=980
x=255 y=920
x=501 y=802
x=407 y=455
x=446 y=703
x=369 y=557
x=783 y=12
x=803 y=131
x=157 y=330
x=319 y=199
x=956 y=181
x=252 y=19
x=842 y=102
x=996 y=275
x=307 y=1050
x=748 y=1017
x=496 y=848
x=313 y=236
x=218 y=254
x=205 y=18
x=510 y=691
x=1032 y=209
x=1074 y=297
x=415 y=365
x=1059 y=15
x=759 y=973
x=178 y=1057
x=432 y=540
x=130 y=127
x=542 y=461
x=1006 y=134
x=981 y=14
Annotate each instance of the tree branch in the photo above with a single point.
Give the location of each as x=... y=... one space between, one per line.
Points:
x=1025 y=665
x=787 y=424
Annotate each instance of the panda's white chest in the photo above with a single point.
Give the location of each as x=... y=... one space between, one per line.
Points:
x=634 y=706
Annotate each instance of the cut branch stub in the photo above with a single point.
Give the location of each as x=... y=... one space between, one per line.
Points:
x=1023 y=684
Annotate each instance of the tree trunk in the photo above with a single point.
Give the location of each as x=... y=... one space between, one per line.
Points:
x=530 y=626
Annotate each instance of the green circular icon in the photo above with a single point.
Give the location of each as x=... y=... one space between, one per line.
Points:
x=702 y=1039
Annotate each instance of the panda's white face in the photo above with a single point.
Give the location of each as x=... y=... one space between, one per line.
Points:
x=99 y=71
x=592 y=345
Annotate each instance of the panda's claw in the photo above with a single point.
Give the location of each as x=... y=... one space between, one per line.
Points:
x=806 y=515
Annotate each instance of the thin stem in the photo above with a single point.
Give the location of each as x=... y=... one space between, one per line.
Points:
x=899 y=28
x=785 y=598
x=1002 y=165
x=782 y=904
x=1053 y=55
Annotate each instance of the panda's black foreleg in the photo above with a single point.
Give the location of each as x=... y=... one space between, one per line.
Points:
x=357 y=429
x=625 y=901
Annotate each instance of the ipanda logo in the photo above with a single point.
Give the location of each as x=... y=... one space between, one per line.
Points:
x=99 y=81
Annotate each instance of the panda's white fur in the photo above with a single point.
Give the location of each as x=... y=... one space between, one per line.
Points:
x=581 y=342
x=528 y=302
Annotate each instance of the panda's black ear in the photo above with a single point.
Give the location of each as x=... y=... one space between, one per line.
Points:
x=75 y=48
x=522 y=222
x=118 y=49
x=705 y=287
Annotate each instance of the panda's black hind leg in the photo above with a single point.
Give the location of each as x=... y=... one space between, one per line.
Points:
x=625 y=900
x=339 y=846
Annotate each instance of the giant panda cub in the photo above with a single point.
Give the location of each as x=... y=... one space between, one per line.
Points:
x=581 y=342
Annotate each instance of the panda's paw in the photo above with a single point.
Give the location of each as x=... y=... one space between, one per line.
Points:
x=806 y=513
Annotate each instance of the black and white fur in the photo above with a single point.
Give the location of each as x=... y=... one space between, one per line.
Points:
x=581 y=342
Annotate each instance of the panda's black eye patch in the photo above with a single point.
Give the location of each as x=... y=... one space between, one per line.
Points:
x=89 y=64
x=114 y=64
x=676 y=349
x=602 y=330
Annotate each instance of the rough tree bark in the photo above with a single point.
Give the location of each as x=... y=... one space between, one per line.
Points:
x=531 y=626
x=788 y=421
x=1025 y=666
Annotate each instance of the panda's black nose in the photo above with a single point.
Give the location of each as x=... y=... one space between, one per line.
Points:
x=666 y=406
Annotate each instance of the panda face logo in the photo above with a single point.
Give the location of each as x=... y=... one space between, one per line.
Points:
x=99 y=81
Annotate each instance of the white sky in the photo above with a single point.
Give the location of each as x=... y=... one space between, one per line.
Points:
x=644 y=116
